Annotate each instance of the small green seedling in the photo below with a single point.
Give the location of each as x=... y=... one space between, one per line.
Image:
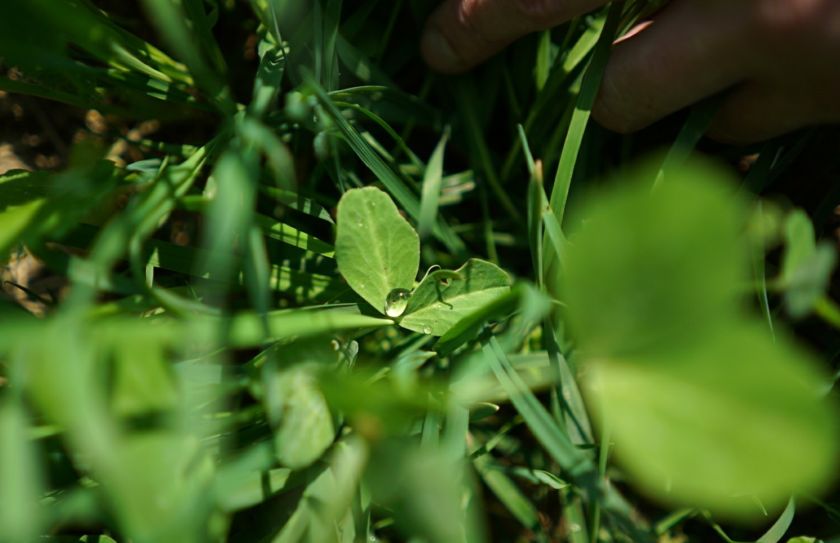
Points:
x=378 y=253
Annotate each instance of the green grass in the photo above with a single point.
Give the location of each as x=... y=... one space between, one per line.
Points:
x=337 y=297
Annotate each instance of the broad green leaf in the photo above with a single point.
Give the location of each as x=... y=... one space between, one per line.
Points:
x=649 y=268
x=376 y=249
x=719 y=422
x=471 y=324
x=304 y=425
x=443 y=298
x=165 y=495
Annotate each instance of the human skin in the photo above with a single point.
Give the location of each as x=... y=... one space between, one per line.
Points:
x=777 y=61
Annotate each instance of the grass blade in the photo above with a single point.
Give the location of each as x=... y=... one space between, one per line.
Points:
x=431 y=189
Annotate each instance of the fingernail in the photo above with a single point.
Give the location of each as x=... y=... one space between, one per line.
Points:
x=437 y=51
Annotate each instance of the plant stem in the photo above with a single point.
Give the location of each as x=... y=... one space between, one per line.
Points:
x=603 y=457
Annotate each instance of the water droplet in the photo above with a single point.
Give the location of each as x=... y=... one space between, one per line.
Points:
x=360 y=224
x=396 y=302
x=427 y=330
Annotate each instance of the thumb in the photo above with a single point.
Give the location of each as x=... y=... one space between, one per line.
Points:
x=463 y=33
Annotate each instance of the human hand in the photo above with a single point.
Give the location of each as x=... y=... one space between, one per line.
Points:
x=778 y=60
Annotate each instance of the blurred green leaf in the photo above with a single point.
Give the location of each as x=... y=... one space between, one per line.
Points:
x=646 y=268
x=720 y=423
x=810 y=281
x=298 y=410
x=806 y=267
x=800 y=243
x=423 y=488
x=143 y=382
x=20 y=478
x=695 y=396
x=165 y=495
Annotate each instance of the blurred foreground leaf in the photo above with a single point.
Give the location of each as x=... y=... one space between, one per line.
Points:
x=704 y=408
x=720 y=423
x=649 y=268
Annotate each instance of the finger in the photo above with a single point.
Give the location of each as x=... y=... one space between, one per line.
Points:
x=463 y=33
x=756 y=112
x=693 y=49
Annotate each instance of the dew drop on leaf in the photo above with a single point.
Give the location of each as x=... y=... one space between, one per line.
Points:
x=396 y=302
x=427 y=330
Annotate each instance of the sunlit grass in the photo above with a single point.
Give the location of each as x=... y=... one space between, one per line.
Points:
x=253 y=346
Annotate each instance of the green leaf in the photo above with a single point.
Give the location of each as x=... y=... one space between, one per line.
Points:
x=800 y=243
x=423 y=487
x=649 y=268
x=720 y=422
x=704 y=409
x=376 y=249
x=470 y=325
x=443 y=298
x=142 y=381
x=810 y=281
x=807 y=267
x=301 y=414
x=162 y=496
